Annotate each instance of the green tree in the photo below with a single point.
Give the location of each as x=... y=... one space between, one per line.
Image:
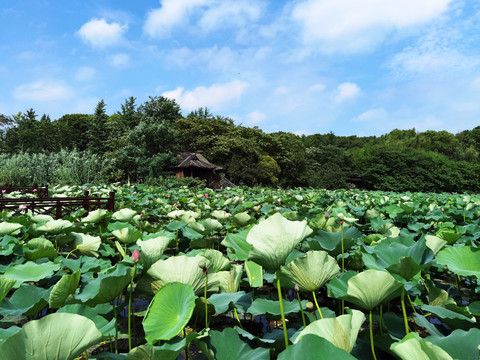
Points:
x=97 y=131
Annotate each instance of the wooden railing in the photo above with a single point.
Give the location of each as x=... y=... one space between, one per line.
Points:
x=58 y=207
x=39 y=191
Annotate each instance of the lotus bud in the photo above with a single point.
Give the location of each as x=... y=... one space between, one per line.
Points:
x=136 y=256
x=310 y=306
x=297 y=289
x=203 y=266
x=327 y=214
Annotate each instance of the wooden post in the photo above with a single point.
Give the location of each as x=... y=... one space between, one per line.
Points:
x=111 y=201
x=58 y=213
x=86 y=201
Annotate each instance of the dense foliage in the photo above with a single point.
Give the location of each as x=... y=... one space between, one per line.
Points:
x=244 y=273
x=139 y=142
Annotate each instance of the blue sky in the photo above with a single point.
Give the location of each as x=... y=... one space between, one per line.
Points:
x=305 y=66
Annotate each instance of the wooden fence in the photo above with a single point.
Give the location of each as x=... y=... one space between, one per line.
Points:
x=58 y=207
x=40 y=191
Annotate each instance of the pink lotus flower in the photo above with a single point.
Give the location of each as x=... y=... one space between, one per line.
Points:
x=34 y=190
x=327 y=214
x=206 y=195
x=136 y=256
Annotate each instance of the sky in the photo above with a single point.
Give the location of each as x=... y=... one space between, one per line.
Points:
x=349 y=67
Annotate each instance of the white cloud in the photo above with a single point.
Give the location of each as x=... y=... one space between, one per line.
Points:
x=100 y=34
x=173 y=12
x=317 y=87
x=255 y=118
x=281 y=90
x=352 y=25
x=85 y=73
x=213 y=97
x=208 y=15
x=371 y=115
x=346 y=91
x=43 y=91
x=119 y=60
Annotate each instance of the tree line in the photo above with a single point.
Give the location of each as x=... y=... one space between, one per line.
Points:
x=139 y=142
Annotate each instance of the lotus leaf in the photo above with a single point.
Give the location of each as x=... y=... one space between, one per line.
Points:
x=274 y=238
x=152 y=249
x=413 y=347
x=65 y=287
x=54 y=337
x=41 y=218
x=104 y=326
x=332 y=241
x=38 y=248
x=30 y=271
x=224 y=302
x=5 y=286
x=341 y=331
x=217 y=259
x=310 y=272
x=220 y=214
x=27 y=299
x=237 y=244
x=87 y=244
x=95 y=216
x=182 y=269
x=169 y=312
x=127 y=235
x=124 y=215
x=461 y=345
x=106 y=286
x=228 y=345
x=463 y=260
x=55 y=227
x=435 y=243
x=262 y=306
x=314 y=347
x=8 y=228
x=254 y=273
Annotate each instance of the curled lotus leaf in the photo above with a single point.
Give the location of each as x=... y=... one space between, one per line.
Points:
x=274 y=239
x=124 y=215
x=95 y=216
x=341 y=331
x=310 y=272
x=87 y=244
x=55 y=226
x=7 y=228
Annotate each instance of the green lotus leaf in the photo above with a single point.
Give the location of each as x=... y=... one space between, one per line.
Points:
x=227 y=281
x=8 y=228
x=399 y=256
x=124 y=215
x=95 y=216
x=455 y=317
x=228 y=345
x=314 y=347
x=7 y=244
x=5 y=286
x=87 y=244
x=332 y=241
x=274 y=239
x=55 y=227
x=463 y=260
x=41 y=218
x=183 y=269
x=242 y=218
x=224 y=302
x=237 y=245
x=220 y=214
x=262 y=306
x=30 y=271
x=341 y=331
x=217 y=259
x=152 y=249
x=38 y=248
x=54 y=337
x=127 y=235
x=169 y=312
x=27 y=299
x=254 y=273
x=461 y=345
x=449 y=235
x=413 y=347
x=106 y=287
x=103 y=325
x=366 y=289
x=310 y=272
x=168 y=351
x=435 y=243
x=65 y=287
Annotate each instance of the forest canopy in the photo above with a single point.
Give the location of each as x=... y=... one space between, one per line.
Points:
x=139 y=142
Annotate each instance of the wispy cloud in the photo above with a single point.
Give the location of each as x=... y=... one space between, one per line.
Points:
x=213 y=97
x=85 y=73
x=371 y=115
x=43 y=91
x=98 y=33
x=255 y=118
x=356 y=26
x=119 y=60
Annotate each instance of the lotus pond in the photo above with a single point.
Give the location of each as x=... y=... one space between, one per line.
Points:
x=244 y=273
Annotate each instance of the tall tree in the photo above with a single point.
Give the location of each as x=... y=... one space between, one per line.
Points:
x=97 y=132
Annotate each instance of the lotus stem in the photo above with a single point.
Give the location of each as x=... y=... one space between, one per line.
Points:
x=116 y=327
x=411 y=303
x=380 y=322
x=316 y=304
x=206 y=302
x=70 y=253
x=236 y=315
x=371 y=337
x=424 y=283
x=284 y=323
x=343 y=250
x=405 y=320
x=86 y=354
x=301 y=310
x=130 y=309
